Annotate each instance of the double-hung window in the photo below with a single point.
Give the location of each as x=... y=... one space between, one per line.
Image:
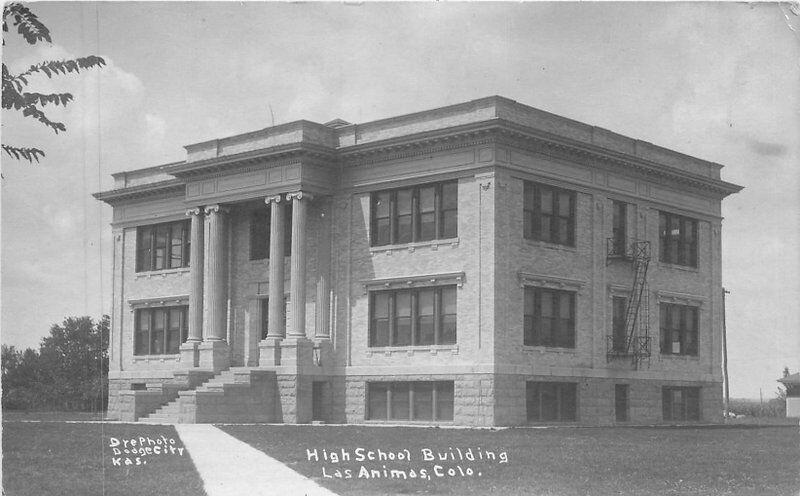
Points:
x=421 y=213
x=619 y=234
x=549 y=214
x=549 y=318
x=260 y=223
x=677 y=239
x=619 y=337
x=413 y=317
x=678 y=329
x=162 y=246
x=160 y=331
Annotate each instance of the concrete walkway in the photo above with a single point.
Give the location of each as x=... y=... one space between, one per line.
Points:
x=230 y=467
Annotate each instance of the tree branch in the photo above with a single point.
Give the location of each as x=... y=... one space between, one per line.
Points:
x=29 y=154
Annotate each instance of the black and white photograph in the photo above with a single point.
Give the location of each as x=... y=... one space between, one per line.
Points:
x=392 y=248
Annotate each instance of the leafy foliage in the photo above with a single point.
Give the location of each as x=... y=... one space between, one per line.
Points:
x=30 y=103
x=69 y=371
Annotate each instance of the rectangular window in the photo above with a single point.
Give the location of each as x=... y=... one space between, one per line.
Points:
x=162 y=246
x=264 y=308
x=551 y=401
x=678 y=329
x=260 y=225
x=160 y=331
x=680 y=403
x=549 y=318
x=549 y=214
x=619 y=306
x=621 y=402
x=416 y=401
x=421 y=213
x=413 y=317
x=264 y=317
x=677 y=239
x=619 y=221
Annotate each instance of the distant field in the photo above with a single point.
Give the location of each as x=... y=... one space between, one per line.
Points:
x=75 y=459
x=559 y=461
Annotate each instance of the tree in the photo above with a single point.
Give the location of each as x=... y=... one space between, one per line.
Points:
x=70 y=370
x=31 y=103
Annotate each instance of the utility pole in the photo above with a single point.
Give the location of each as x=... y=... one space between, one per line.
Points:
x=725 y=357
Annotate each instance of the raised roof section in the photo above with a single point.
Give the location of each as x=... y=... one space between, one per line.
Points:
x=285 y=134
x=339 y=135
x=138 y=177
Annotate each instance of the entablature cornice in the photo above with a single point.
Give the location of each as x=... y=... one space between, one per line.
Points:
x=256 y=159
x=168 y=188
x=500 y=131
x=523 y=138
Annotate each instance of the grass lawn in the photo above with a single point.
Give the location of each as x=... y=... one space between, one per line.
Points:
x=560 y=461
x=52 y=458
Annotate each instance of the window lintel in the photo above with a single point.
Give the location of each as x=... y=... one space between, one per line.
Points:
x=158 y=301
x=446 y=279
x=543 y=281
x=680 y=298
x=618 y=290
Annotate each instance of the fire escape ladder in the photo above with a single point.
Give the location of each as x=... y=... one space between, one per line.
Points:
x=637 y=344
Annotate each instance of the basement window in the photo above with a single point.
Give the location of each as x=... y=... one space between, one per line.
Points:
x=551 y=401
x=680 y=403
x=410 y=401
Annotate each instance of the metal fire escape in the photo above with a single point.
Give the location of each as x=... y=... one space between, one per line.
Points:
x=635 y=343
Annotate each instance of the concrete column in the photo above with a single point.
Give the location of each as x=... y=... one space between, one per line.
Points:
x=214 y=349
x=276 y=327
x=189 y=350
x=298 y=263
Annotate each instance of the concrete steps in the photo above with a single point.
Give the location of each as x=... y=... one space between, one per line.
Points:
x=236 y=394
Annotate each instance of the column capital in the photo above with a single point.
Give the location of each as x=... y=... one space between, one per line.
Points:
x=299 y=195
x=216 y=209
x=194 y=211
x=273 y=199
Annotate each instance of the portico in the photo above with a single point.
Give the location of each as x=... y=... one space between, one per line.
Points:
x=207 y=345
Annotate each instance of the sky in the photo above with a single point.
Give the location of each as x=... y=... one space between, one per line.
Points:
x=716 y=81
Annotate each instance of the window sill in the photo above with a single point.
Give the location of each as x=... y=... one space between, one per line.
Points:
x=408 y=422
x=433 y=244
x=550 y=246
x=549 y=349
x=672 y=356
x=685 y=268
x=157 y=358
x=413 y=350
x=162 y=273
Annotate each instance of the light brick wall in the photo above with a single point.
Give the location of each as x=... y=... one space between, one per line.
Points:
x=489 y=363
